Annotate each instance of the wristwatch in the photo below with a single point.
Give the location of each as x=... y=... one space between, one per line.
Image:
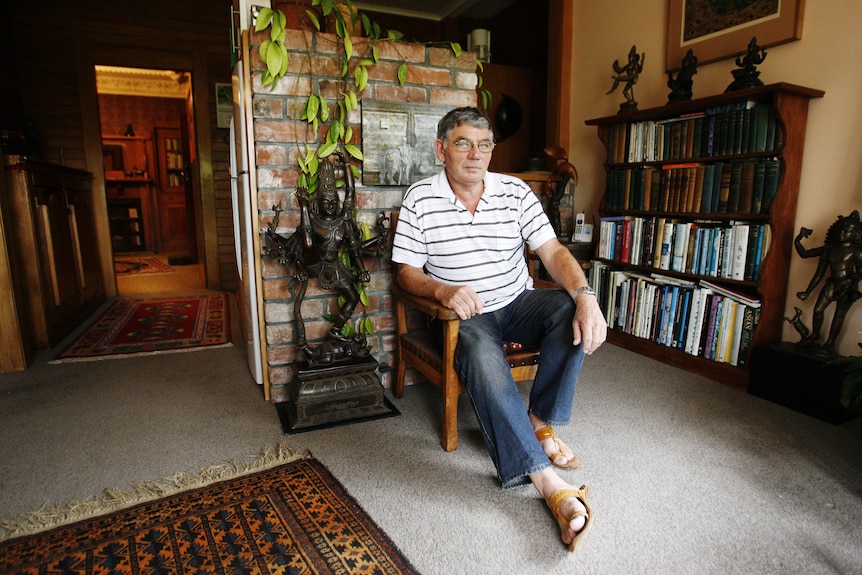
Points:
x=583 y=289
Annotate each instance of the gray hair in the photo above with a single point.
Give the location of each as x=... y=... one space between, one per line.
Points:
x=470 y=116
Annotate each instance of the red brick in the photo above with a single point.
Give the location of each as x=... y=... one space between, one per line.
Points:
x=401 y=93
x=455 y=98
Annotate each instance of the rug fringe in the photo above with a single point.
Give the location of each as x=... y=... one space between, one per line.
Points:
x=52 y=515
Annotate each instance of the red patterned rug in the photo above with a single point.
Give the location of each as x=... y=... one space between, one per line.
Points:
x=129 y=265
x=137 y=326
x=291 y=518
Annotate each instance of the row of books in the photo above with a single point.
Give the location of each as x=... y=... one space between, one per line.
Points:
x=702 y=319
x=734 y=187
x=729 y=250
x=746 y=127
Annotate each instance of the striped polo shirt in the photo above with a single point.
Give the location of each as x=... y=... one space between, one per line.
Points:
x=484 y=250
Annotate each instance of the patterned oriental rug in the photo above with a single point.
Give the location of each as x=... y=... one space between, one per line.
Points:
x=127 y=266
x=291 y=518
x=137 y=326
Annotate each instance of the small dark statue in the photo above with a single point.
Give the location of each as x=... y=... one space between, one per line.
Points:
x=628 y=75
x=555 y=191
x=841 y=265
x=326 y=237
x=681 y=85
x=747 y=74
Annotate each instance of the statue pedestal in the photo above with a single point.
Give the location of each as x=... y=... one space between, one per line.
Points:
x=334 y=395
x=801 y=382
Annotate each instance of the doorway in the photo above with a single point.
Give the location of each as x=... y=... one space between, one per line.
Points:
x=148 y=144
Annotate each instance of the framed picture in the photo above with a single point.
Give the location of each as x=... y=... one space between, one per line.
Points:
x=398 y=142
x=719 y=29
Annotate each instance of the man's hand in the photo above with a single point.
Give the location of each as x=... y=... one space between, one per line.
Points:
x=461 y=299
x=589 y=325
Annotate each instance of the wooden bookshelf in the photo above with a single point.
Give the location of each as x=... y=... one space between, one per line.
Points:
x=649 y=151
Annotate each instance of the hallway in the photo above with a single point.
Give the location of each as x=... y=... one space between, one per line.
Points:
x=183 y=278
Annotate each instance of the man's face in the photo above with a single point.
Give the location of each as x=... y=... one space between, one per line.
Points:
x=465 y=167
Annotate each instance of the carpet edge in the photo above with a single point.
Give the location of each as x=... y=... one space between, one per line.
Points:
x=51 y=515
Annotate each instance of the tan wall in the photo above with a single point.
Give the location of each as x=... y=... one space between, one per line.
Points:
x=826 y=58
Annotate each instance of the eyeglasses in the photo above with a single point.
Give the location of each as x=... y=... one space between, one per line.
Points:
x=463 y=145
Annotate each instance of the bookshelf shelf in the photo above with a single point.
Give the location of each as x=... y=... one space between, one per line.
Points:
x=716 y=180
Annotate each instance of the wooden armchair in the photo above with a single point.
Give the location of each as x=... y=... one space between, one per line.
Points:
x=418 y=348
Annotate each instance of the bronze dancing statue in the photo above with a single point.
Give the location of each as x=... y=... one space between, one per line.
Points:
x=327 y=246
x=628 y=75
x=840 y=258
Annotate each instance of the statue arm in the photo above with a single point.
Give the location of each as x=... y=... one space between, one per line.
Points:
x=802 y=250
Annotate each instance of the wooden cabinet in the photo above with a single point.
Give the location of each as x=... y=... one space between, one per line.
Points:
x=658 y=167
x=54 y=238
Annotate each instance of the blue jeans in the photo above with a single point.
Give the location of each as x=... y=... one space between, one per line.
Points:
x=543 y=317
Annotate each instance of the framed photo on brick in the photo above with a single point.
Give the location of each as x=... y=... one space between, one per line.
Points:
x=719 y=29
x=398 y=142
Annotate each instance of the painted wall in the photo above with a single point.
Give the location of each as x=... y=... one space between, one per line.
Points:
x=828 y=58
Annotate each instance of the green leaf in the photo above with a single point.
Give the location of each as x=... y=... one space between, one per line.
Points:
x=377 y=30
x=302 y=165
x=348 y=134
x=354 y=100
x=324 y=108
x=326 y=150
x=366 y=326
x=456 y=48
x=356 y=172
x=264 y=18
x=375 y=53
x=314 y=20
x=361 y=78
x=394 y=35
x=366 y=231
x=279 y=21
x=363 y=297
x=480 y=66
x=402 y=73
x=354 y=151
x=366 y=24
x=273 y=59
x=348 y=47
x=312 y=108
x=264 y=50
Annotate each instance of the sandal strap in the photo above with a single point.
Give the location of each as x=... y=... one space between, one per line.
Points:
x=546 y=432
x=555 y=501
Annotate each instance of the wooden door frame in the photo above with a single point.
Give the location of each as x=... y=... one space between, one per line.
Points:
x=560 y=58
x=87 y=56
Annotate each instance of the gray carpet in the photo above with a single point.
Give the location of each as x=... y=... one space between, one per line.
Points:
x=685 y=475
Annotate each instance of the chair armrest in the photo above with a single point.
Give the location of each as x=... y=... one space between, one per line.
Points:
x=427 y=306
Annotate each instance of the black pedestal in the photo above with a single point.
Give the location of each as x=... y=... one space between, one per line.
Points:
x=334 y=395
x=801 y=382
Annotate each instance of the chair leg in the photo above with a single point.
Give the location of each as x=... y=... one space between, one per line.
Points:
x=400 y=374
x=450 y=411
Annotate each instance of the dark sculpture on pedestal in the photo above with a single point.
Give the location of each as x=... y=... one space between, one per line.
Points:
x=337 y=379
x=681 y=85
x=747 y=74
x=628 y=75
x=840 y=265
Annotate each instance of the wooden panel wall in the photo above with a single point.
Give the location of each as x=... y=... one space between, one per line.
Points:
x=51 y=44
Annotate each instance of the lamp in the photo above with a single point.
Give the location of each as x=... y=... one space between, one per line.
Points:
x=479 y=41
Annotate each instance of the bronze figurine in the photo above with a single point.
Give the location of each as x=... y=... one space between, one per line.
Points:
x=628 y=75
x=840 y=264
x=328 y=246
x=681 y=85
x=747 y=74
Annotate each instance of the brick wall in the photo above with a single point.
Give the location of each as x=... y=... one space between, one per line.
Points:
x=435 y=76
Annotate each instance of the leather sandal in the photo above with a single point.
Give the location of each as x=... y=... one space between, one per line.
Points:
x=548 y=432
x=556 y=501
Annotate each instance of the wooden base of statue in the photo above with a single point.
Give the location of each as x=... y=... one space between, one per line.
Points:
x=802 y=382
x=337 y=394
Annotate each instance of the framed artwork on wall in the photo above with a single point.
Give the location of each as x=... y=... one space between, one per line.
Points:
x=398 y=142
x=720 y=29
